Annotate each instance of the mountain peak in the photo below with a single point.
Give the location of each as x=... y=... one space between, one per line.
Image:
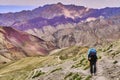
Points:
x=59 y=3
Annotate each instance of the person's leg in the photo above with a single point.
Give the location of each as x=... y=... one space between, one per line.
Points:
x=95 y=68
x=91 y=68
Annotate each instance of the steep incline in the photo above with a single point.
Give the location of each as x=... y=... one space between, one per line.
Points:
x=15 y=44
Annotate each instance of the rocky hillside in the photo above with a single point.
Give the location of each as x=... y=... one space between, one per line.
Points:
x=67 y=64
x=15 y=44
x=67 y=25
x=91 y=33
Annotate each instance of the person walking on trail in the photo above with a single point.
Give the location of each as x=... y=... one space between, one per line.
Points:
x=92 y=57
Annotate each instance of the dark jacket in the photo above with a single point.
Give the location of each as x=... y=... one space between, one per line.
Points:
x=92 y=58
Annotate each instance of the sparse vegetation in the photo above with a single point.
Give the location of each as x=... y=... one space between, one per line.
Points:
x=73 y=76
x=76 y=76
x=23 y=67
x=99 y=57
x=88 y=77
x=37 y=74
x=75 y=59
x=71 y=52
x=110 y=46
x=115 y=62
x=83 y=62
x=107 y=47
x=70 y=74
x=57 y=69
x=86 y=67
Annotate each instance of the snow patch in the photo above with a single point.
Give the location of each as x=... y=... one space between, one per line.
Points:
x=90 y=19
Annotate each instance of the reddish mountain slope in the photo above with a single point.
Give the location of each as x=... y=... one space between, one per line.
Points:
x=15 y=44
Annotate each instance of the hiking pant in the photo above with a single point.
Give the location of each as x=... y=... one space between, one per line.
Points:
x=92 y=67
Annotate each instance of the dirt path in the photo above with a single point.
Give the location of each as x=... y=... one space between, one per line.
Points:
x=100 y=69
x=102 y=65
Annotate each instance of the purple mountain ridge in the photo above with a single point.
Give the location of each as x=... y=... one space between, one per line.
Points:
x=54 y=15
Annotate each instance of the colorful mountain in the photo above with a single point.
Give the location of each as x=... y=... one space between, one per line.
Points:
x=53 y=15
x=15 y=44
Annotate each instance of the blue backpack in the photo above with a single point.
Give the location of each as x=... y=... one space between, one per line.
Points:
x=92 y=51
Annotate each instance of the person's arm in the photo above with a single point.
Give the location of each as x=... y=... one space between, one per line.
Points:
x=89 y=57
x=96 y=58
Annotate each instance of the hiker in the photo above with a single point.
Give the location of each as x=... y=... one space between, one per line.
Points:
x=92 y=57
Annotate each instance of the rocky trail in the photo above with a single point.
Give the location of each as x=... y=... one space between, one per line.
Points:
x=100 y=75
x=67 y=68
x=107 y=69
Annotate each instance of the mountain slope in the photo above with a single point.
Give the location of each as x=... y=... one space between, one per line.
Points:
x=91 y=33
x=68 y=63
x=16 y=44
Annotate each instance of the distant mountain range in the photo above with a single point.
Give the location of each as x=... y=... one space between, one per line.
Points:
x=54 y=15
